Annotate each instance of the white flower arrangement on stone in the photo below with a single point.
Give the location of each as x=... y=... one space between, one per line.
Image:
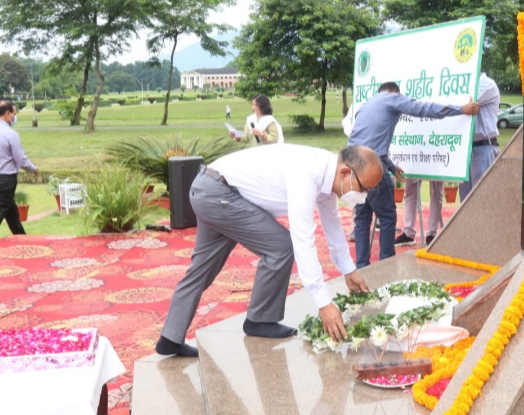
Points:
x=381 y=328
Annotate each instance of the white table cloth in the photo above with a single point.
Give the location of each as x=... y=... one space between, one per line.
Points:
x=70 y=391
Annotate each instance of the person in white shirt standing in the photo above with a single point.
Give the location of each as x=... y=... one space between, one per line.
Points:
x=236 y=200
x=485 y=145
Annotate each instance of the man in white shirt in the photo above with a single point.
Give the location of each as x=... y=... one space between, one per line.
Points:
x=236 y=200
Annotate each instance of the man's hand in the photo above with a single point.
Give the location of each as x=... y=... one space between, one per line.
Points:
x=332 y=322
x=471 y=108
x=399 y=174
x=35 y=173
x=355 y=282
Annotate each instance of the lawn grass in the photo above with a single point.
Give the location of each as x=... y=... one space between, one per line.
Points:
x=55 y=146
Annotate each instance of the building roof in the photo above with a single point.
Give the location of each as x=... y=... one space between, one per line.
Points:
x=215 y=71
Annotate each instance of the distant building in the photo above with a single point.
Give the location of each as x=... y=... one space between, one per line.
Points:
x=222 y=77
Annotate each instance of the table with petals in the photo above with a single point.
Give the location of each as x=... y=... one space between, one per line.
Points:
x=68 y=391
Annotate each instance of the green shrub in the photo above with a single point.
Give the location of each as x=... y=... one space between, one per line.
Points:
x=39 y=107
x=114 y=202
x=151 y=100
x=53 y=184
x=121 y=102
x=21 y=198
x=304 y=123
x=21 y=105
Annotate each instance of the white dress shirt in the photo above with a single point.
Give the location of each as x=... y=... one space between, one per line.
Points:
x=488 y=98
x=291 y=180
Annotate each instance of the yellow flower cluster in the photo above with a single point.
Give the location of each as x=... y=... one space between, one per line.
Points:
x=444 y=363
x=520 y=39
x=491 y=269
x=472 y=387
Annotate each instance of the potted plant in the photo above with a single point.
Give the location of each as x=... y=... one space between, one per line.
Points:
x=450 y=191
x=53 y=187
x=151 y=157
x=21 y=200
x=399 y=190
x=114 y=200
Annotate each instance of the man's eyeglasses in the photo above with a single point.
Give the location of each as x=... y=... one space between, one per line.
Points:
x=362 y=188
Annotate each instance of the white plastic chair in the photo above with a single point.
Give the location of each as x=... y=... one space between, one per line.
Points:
x=71 y=196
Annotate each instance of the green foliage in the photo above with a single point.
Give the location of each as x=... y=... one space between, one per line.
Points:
x=53 y=184
x=500 y=59
x=151 y=156
x=301 y=46
x=183 y=88
x=114 y=200
x=20 y=105
x=151 y=100
x=39 y=106
x=121 y=102
x=67 y=110
x=12 y=75
x=304 y=123
x=21 y=198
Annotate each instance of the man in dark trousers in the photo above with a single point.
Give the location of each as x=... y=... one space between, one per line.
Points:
x=374 y=126
x=12 y=158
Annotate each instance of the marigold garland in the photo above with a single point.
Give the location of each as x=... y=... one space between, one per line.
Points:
x=444 y=361
x=480 y=374
x=520 y=39
x=456 y=287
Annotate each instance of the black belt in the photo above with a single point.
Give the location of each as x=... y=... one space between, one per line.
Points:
x=212 y=173
x=487 y=142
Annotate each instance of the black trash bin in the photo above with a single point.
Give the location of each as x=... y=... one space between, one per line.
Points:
x=182 y=172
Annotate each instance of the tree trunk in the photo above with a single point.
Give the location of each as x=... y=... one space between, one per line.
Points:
x=345 y=107
x=169 y=79
x=323 y=99
x=80 y=103
x=90 y=127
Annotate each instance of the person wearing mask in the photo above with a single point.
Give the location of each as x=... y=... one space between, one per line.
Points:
x=12 y=159
x=237 y=199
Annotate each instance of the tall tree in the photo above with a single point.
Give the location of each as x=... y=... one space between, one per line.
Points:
x=13 y=76
x=500 y=58
x=301 y=46
x=83 y=31
x=175 y=18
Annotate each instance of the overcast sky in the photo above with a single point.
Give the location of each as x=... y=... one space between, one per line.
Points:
x=234 y=15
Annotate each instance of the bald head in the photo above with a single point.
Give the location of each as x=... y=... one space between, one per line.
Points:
x=364 y=162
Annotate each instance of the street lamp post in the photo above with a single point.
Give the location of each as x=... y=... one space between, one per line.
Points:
x=142 y=85
x=35 y=120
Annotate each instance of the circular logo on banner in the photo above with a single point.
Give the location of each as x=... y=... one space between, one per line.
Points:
x=364 y=63
x=465 y=45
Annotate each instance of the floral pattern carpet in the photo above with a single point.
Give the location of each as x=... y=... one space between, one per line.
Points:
x=122 y=284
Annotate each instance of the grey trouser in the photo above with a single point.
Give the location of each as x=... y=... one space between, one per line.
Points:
x=224 y=218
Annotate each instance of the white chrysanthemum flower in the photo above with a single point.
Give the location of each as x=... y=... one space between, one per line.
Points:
x=374 y=303
x=353 y=309
x=333 y=345
x=319 y=346
x=402 y=332
x=379 y=336
x=346 y=316
x=355 y=343
x=384 y=293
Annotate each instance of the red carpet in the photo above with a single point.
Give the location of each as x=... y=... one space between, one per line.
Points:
x=122 y=284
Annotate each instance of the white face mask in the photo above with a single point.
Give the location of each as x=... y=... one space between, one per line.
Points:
x=14 y=121
x=352 y=197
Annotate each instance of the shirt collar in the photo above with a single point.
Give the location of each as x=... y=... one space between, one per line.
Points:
x=329 y=174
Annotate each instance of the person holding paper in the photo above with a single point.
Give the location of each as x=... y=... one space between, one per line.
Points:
x=261 y=127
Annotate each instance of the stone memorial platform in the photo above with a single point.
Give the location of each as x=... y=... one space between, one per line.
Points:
x=237 y=374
